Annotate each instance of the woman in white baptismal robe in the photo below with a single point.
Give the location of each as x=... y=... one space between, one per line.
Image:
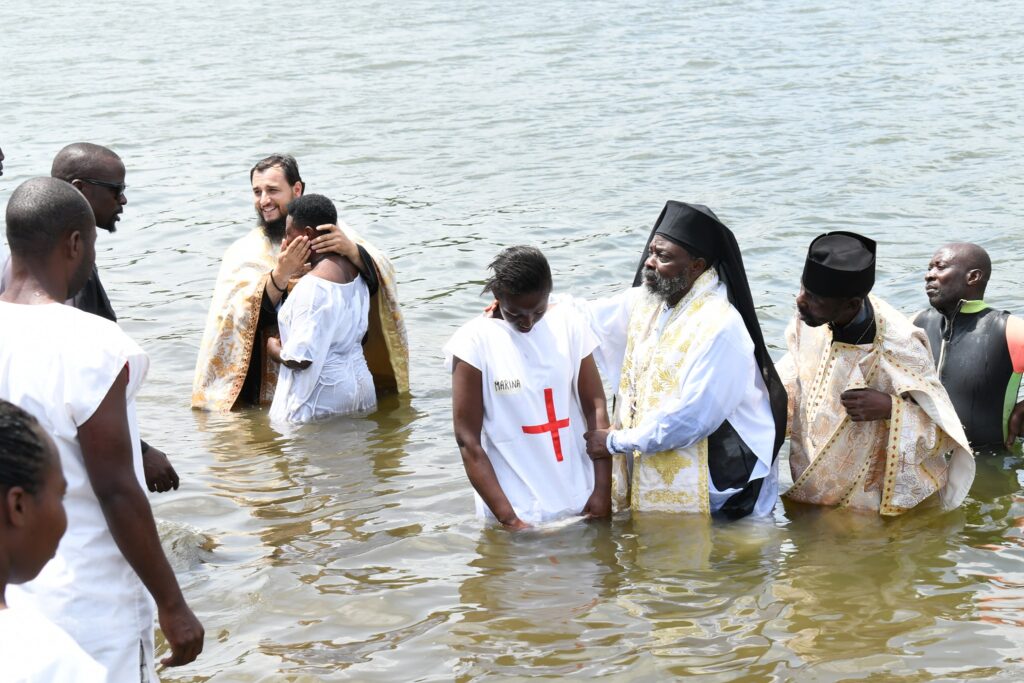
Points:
x=323 y=322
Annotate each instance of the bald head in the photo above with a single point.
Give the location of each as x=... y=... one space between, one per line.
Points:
x=41 y=213
x=82 y=160
x=958 y=271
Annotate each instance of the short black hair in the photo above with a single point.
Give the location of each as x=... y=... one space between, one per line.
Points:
x=40 y=212
x=311 y=210
x=23 y=458
x=518 y=270
x=80 y=160
x=286 y=162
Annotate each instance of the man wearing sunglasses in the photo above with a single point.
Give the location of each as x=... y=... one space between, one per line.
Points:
x=98 y=173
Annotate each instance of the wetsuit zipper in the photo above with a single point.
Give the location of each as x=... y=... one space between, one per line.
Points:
x=947 y=336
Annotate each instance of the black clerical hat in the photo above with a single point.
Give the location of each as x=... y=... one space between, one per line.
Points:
x=692 y=226
x=840 y=264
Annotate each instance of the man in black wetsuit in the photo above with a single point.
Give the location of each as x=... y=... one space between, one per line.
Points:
x=98 y=173
x=978 y=350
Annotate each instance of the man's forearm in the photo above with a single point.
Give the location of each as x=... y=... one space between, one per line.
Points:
x=131 y=523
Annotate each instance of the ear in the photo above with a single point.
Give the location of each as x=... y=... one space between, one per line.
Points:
x=974 y=277
x=75 y=244
x=14 y=506
x=297 y=188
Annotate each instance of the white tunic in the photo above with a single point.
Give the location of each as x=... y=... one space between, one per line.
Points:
x=721 y=382
x=533 y=423
x=58 y=363
x=324 y=322
x=34 y=650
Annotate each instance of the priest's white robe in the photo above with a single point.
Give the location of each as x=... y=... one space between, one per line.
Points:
x=533 y=422
x=58 y=363
x=681 y=371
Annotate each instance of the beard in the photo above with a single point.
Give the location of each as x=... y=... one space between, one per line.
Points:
x=662 y=287
x=274 y=229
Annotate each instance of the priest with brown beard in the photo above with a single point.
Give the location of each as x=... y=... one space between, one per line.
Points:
x=233 y=368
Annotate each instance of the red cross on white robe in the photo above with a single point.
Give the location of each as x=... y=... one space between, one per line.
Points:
x=552 y=425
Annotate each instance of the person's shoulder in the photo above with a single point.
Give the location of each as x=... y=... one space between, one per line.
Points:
x=245 y=243
x=34 y=648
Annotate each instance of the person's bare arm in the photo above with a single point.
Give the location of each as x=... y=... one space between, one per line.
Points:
x=595 y=410
x=107 y=453
x=274 y=351
x=468 y=417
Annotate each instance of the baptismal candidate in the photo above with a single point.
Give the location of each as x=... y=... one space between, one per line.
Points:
x=871 y=426
x=701 y=412
x=978 y=350
x=32 y=522
x=525 y=388
x=110 y=562
x=233 y=367
x=322 y=325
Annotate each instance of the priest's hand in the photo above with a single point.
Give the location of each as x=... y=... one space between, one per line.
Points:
x=866 y=405
x=1015 y=426
x=597 y=444
x=160 y=475
x=293 y=256
x=335 y=240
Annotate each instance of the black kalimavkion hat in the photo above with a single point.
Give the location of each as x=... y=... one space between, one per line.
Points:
x=839 y=265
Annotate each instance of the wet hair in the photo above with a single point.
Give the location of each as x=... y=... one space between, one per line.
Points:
x=518 y=270
x=311 y=210
x=80 y=160
x=40 y=212
x=23 y=457
x=285 y=162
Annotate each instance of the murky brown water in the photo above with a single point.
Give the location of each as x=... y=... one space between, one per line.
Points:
x=444 y=131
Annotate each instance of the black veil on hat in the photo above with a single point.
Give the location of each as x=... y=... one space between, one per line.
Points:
x=697 y=229
x=840 y=265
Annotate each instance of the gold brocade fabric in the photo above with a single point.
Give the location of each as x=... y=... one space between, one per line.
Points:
x=387 y=347
x=231 y=327
x=888 y=466
x=675 y=480
x=232 y=323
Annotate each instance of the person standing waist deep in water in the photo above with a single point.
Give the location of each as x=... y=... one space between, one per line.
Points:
x=978 y=350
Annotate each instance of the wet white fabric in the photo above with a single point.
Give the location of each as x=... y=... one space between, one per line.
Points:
x=88 y=583
x=35 y=650
x=530 y=380
x=717 y=383
x=324 y=322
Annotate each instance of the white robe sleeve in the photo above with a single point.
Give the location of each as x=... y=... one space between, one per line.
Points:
x=311 y=326
x=464 y=344
x=708 y=392
x=609 y=322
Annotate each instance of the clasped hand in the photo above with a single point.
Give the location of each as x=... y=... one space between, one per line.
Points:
x=866 y=405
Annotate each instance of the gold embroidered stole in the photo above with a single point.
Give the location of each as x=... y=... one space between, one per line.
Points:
x=888 y=466
x=673 y=480
x=231 y=326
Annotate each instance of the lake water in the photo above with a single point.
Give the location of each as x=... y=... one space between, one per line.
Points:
x=447 y=130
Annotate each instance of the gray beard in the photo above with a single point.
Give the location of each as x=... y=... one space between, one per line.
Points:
x=664 y=288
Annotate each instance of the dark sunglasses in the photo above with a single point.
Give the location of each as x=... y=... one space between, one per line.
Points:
x=118 y=188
